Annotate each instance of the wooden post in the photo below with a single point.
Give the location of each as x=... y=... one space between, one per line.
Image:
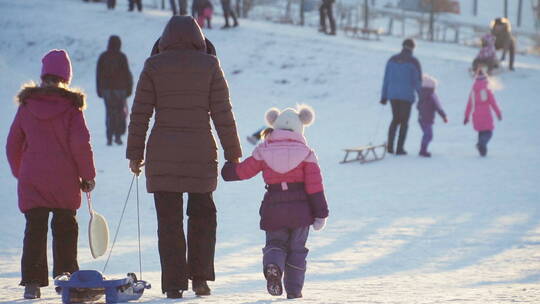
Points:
x=366 y=14
x=505 y=8
x=520 y=6
x=302 y=8
x=432 y=21
x=475 y=8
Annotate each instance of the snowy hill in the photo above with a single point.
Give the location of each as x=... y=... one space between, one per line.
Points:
x=452 y=229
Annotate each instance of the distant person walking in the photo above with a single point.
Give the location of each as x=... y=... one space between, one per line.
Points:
x=49 y=152
x=186 y=89
x=502 y=30
x=326 y=11
x=206 y=9
x=111 y=4
x=114 y=84
x=402 y=78
x=182 y=4
x=228 y=12
x=137 y=3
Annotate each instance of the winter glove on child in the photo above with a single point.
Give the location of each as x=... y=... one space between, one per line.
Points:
x=135 y=166
x=319 y=223
x=465 y=121
x=88 y=185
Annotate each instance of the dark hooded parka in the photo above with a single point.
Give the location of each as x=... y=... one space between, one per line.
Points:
x=186 y=89
x=113 y=69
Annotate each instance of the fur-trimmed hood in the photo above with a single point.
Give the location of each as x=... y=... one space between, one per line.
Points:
x=47 y=102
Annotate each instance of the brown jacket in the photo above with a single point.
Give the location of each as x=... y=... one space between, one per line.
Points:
x=185 y=87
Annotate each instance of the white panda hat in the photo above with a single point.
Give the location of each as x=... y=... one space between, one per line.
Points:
x=290 y=119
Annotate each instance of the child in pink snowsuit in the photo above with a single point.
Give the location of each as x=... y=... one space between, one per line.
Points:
x=481 y=102
x=49 y=152
x=294 y=199
x=206 y=9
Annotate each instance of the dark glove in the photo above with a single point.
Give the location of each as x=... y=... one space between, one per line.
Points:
x=383 y=101
x=88 y=185
x=465 y=121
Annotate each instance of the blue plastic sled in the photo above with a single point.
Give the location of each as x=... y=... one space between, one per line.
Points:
x=89 y=286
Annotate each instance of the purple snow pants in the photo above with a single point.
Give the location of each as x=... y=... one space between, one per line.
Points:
x=287 y=249
x=427 y=129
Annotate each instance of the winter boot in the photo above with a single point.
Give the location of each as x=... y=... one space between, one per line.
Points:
x=200 y=287
x=118 y=140
x=481 y=149
x=31 y=291
x=424 y=154
x=401 y=152
x=272 y=273
x=390 y=148
x=294 y=296
x=174 y=294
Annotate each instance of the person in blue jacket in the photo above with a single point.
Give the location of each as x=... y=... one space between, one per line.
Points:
x=402 y=78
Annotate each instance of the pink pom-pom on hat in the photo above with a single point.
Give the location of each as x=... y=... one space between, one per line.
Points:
x=57 y=62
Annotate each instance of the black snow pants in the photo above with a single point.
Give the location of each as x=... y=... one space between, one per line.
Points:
x=326 y=11
x=228 y=11
x=65 y=232
x=115 y=116
x=133 y=3
x=201 y=239
x=401 y=111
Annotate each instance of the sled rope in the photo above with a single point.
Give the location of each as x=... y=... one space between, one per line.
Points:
x=119 y=224
x=138 y=226
x=377 y=126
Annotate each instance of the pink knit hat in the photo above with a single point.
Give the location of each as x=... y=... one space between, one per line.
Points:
x=57 y=63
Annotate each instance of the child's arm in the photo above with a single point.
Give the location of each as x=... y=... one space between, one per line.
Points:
x=314 y=188
x=15 y=145
x=494 y=105
x=439 y=108
x=240 y=171
x=79 y=145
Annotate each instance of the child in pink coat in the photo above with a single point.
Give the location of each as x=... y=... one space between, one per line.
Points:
x=294 y=199
x=49 y=152
x=481 y=102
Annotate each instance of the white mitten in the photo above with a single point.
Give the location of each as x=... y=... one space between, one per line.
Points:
x=319 y=223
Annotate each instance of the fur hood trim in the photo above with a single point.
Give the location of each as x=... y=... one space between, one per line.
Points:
x=76 y=96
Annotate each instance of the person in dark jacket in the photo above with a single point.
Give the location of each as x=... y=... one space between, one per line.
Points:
x=402 y=78
x=502 y=30
x=111 y=4
x=326 y=11
x=114 y=84
x=187 y=90
x=228 y=11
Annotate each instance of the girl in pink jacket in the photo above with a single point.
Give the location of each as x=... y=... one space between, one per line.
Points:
x=49 y=152
x=481 y=102
x=294 y=197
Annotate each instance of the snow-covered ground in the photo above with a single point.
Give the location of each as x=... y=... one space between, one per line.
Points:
x=455 y=228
